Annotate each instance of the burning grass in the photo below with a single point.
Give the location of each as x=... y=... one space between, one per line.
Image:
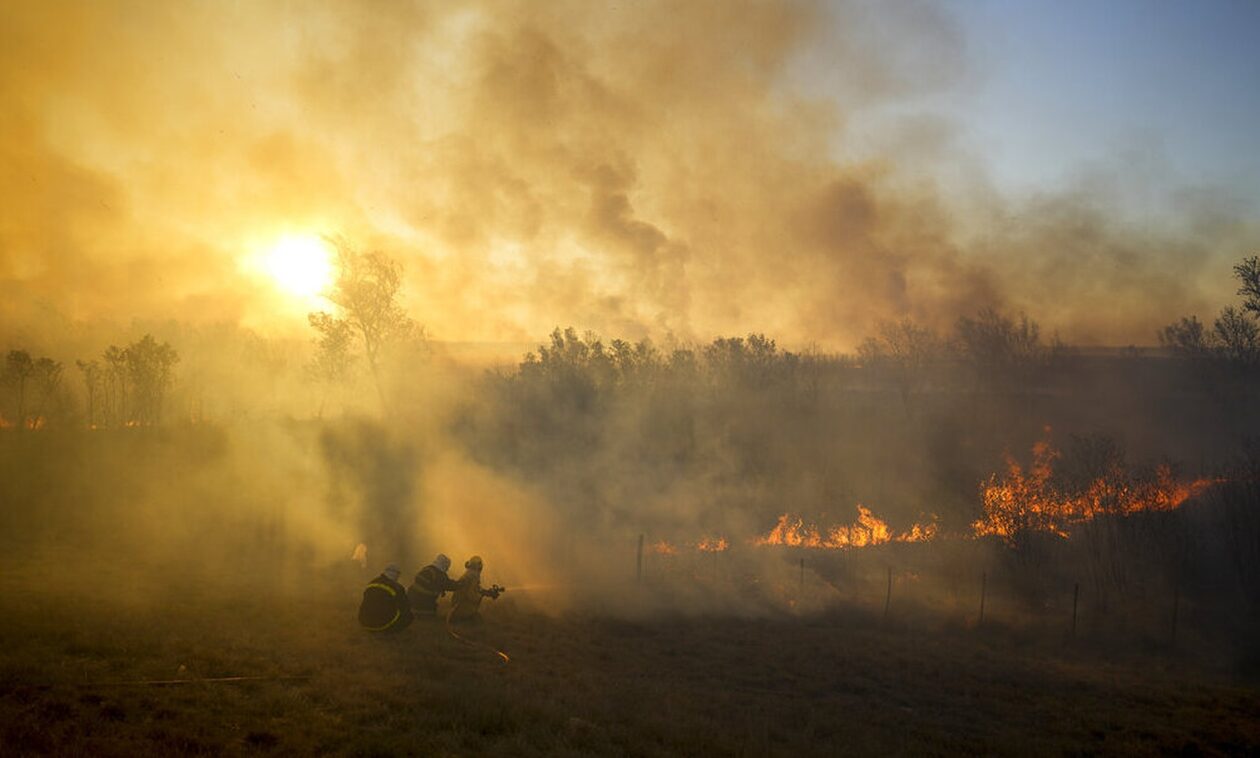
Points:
x=869 y=530
x=1036 y=500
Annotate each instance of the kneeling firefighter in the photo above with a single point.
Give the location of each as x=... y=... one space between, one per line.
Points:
x=466 y=599
x=431 y=583
x=385 y=607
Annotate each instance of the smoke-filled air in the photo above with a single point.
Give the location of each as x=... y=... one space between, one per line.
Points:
x=629 y=378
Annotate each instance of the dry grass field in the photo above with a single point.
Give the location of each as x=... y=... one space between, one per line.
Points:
x=80 y=678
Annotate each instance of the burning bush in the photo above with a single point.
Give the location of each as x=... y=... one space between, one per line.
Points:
x=1035 y=499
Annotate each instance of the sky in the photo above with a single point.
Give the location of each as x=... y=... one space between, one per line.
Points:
x=1069 y=84
x=678 y=171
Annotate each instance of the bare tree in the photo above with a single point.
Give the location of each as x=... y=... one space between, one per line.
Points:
x=1237 y=337
x=1248 y=272
x=904 y=351
x=1187 y=338
x=1001 y=348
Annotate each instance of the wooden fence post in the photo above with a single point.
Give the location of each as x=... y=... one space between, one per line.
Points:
x=638 y=563
x=984 y=587
x=1076 y=596
x=888 y=597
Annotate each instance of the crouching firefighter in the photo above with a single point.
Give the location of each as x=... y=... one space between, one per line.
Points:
x=385 y=607
x=431 y=583
x=466 y=599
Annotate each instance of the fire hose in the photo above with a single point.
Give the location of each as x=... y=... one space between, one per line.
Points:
x=495 y=591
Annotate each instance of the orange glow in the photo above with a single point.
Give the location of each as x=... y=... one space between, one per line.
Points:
x=1021 y=501
x=712 y=545
x=868 y=530
x=663 y=548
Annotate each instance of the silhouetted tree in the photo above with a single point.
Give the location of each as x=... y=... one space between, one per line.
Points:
x=1187 y=338
x=333 y=359
x=1234 y=339
x=47 y=378
x=366 y=293
x=1237 y=337
x=1001 y=348
x=903 y=351
x=18 y=368
x=92 y=377
x=149 y=367
x=115 y=385
x=1248 y=272
x=754 y=362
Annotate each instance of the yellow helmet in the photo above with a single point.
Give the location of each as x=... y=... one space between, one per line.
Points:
x=473 y=563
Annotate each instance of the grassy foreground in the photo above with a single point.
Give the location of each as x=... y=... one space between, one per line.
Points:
x=835 y=684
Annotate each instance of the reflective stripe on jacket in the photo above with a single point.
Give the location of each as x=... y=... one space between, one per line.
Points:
x=384 y=603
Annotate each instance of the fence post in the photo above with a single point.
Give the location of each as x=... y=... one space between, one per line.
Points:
x=1076 y=596
x=984 y=587
x=638 y=563
x=802 y=574
x=1176 y=606
x=888 y=597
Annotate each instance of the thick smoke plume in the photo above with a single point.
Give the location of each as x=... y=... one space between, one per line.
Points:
x=638 y=169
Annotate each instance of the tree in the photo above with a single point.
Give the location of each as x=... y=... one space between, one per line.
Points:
x=1237 y=337
x=1187 y=338
x=905 y=351
x=1248 y=272
x=18 y=368
x=47 y=377
x=366 y=292
x=92 y=374
x=115 y=384
x=149 y=367
x=333 y=358
x=1000 y=347
x=1234 y=340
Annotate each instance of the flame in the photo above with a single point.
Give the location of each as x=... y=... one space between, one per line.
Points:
x=35 y=422
x=868 y=530
x=5 y=423
x=1029 y=500
x=712 y=545
x=663 y=548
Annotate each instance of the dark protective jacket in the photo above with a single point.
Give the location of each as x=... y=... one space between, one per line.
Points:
x=384 y=607
x=430 y=584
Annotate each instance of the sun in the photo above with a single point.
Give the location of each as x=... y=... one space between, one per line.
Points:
x=300 y=264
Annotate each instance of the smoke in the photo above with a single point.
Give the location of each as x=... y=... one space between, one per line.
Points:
x=636 y=169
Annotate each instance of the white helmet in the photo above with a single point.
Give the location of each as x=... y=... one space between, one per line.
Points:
x=442 y=563
x=392 y=571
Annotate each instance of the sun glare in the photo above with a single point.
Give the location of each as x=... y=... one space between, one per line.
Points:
x=300 y=264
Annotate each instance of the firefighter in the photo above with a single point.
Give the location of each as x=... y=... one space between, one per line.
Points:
x=466 y=599
x=385 y=607
x=431 y=583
